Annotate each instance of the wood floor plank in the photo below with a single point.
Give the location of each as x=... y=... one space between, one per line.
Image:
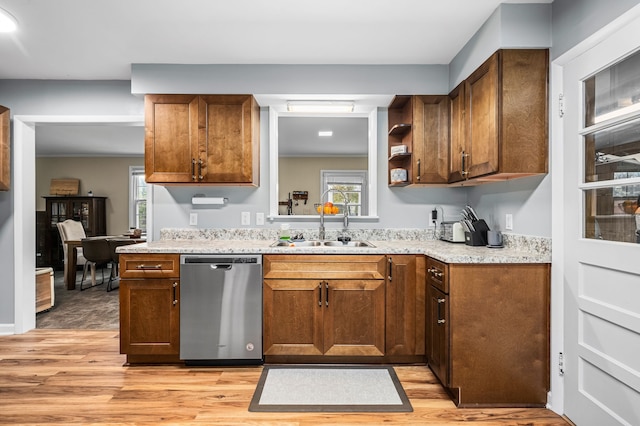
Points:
x=67 y=377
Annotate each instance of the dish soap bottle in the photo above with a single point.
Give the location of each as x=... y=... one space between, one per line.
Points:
x=284 y=232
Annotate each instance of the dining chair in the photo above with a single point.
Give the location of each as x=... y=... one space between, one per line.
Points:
x=71 y=230
x=96 y=251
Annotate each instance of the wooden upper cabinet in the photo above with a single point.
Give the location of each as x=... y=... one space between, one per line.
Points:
x=421 y=124
x=5 y=151
x=171 y=138
x=457 y=133
x=481 y=98
x=500 y=131
x=431 y=139
x=202 y=139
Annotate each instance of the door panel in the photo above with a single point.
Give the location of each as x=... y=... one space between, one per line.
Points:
x=354 y=318
x=481 y=91
x=601 y=313
x=298 y=328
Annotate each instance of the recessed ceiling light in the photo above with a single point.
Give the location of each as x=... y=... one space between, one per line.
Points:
x=7 y=22
x=320 y=106
x=325 y=133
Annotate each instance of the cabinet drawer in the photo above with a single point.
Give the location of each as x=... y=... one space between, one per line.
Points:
x=438 y=274
x=324 y=266
x=141 y=265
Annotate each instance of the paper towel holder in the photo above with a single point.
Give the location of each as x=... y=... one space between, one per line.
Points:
x=201 y=199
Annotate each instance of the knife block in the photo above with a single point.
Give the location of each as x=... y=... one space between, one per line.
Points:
x=479 y=236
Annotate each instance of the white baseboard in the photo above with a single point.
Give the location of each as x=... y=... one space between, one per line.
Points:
x=7 y=329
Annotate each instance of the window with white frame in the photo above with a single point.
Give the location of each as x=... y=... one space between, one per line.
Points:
x=611 y=139
x=351 y=183
x=137 y=198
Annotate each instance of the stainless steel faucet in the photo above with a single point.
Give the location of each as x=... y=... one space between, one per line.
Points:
x=321 y=231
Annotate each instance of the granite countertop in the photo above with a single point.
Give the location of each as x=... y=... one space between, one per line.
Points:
x=440 y=250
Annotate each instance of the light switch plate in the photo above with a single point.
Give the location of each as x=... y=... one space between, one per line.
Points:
x=245 y=218
x=508 y=222
x=193 y=219
x=259 y=219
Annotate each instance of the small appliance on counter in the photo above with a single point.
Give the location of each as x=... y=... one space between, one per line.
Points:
x=452 y=232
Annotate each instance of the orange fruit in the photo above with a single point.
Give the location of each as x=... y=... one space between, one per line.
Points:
x=335 y=209
x=328 y=204
x=318 y=208
x=327 y=210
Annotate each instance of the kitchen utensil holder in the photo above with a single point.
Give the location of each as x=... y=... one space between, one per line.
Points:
x=479 y=236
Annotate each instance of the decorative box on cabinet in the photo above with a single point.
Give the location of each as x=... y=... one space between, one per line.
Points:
x=90 y=211
x=499 y=118
x=150 y=308
x=202 y=139
x=5 y=149
x=488 y=324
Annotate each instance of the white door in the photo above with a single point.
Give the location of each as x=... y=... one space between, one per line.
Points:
x=601 y=184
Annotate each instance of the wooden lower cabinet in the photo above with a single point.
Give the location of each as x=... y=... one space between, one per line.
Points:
x=488 y=332
x=351 y=308
x=324 y=305
x=405 y=306
x=150 y=308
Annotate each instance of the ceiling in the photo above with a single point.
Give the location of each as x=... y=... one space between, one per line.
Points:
x=99 y=40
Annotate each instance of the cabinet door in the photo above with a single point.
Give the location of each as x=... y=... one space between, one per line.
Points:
x=457 y=138
x=293 y=315
x=229 y=139
x=354 y=317
x=438 y=333
x=482 y=97
x=149 y=316
x=431 y=139
x=404 y=305
x=171 y=138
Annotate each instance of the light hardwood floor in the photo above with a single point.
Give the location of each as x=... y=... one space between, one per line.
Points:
x=62 y=377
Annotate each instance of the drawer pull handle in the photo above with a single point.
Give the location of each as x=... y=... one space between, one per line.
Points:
x=175 y=297
x=439 y=313
x=152 y=267
x=320 y=294
x=435 y=273
x=193 y=169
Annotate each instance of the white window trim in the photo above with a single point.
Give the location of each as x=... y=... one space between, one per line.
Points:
x=132 y=209
x=355 y=176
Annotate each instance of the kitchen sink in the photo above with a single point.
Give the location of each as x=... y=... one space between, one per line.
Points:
x=315 y=243
x=281 y=243
x=348 y=244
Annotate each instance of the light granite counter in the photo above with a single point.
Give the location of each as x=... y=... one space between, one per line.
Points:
x=518 y=249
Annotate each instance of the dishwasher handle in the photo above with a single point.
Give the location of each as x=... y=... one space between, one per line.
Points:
x=224 y=266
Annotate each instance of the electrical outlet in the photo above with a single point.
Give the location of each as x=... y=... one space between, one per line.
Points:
x=193 y=219
x=245 y=218
x=508 y=222
x=259 y=219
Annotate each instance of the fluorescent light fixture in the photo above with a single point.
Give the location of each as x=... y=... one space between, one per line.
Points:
x=7 y=22
x=320 y=106
x=325 y=133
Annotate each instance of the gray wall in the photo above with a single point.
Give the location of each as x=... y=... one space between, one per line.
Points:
x=41 y=97
x=574 y=21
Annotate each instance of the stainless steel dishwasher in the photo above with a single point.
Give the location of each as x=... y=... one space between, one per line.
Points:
x=221 y=309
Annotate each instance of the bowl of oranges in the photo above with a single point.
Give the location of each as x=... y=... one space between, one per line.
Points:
x=327 y=208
